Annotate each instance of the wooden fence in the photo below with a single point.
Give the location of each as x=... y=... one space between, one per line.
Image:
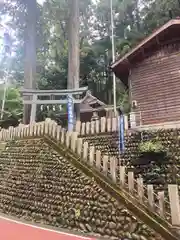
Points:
x=100 y=126
x=166 y=206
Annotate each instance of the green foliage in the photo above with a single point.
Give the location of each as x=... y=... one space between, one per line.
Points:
x=13 y=104
x=133 y=20
x=151 y=146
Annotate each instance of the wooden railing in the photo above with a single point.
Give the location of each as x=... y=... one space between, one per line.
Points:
x=100 y=126
x=168 y=210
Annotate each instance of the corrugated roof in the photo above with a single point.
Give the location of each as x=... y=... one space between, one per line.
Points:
x=146 y=40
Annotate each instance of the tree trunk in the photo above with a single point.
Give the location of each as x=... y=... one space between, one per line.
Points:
x=30 y=53
x=74 y=63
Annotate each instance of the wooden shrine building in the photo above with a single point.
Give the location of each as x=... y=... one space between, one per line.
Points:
x=91 y=108
x=151 y=70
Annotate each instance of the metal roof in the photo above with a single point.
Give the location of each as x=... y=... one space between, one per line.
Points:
x=143 y=43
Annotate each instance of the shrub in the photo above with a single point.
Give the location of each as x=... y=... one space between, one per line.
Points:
x=151 y=146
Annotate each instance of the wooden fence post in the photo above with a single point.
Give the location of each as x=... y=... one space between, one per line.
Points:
x=63 y=135
x=18 y=132
x=174 y=204
x=8 y=134
x=92 y=127
x=42 y=128
x=126 y=124
x=98 y=159
x=35 y=128
x=114 y=124
x=103 y=124
x=0 y=134
x=131 y=181
x=97 y=126
x=14 y=133
x=24 y=131
x=122 y=175
x=46 y=127
x=5 y=135
x=54 y=130
x=49 y=128
x=83 y=129
x=150 y=192
x=58 y=133
x=105 y=164
x=78 y=127
x=91 y=155
x=79 y=146
x=28 y=131
x=38 y=129
x=11 y=130
x=113 y=168
x=140 y=188
x=74 y=137
x=161 y=203
x=87 y=127
x=85 y=151
x=109 y=125
x=68 y=136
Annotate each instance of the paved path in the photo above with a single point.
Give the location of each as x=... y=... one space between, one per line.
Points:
x=12 y=230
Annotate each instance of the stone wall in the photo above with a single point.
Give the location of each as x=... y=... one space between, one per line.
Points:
x=39 y=185
x=108 y=172
x=160 y=173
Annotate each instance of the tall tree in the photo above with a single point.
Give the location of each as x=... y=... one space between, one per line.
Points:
x=133 y=20
x=30 y=52
x=73 y=44
x=73 y=48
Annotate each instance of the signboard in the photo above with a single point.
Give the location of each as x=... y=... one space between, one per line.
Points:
x=70 y=108
x=133 y=119
x=121 y=134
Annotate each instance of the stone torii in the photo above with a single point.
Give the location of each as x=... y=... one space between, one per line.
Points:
x=75 y=94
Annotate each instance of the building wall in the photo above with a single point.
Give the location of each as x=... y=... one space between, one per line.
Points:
x=155 y=85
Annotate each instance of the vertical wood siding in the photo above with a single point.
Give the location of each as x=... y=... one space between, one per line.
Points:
x=155 y=85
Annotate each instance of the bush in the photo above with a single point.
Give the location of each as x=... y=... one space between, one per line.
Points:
x=151 y=146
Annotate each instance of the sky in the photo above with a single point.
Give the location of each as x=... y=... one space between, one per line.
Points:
x=40 y=1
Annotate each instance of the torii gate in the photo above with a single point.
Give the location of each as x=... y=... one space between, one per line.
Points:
x=68 y=96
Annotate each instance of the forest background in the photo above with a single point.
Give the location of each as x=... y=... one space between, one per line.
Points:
x=133 y=19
